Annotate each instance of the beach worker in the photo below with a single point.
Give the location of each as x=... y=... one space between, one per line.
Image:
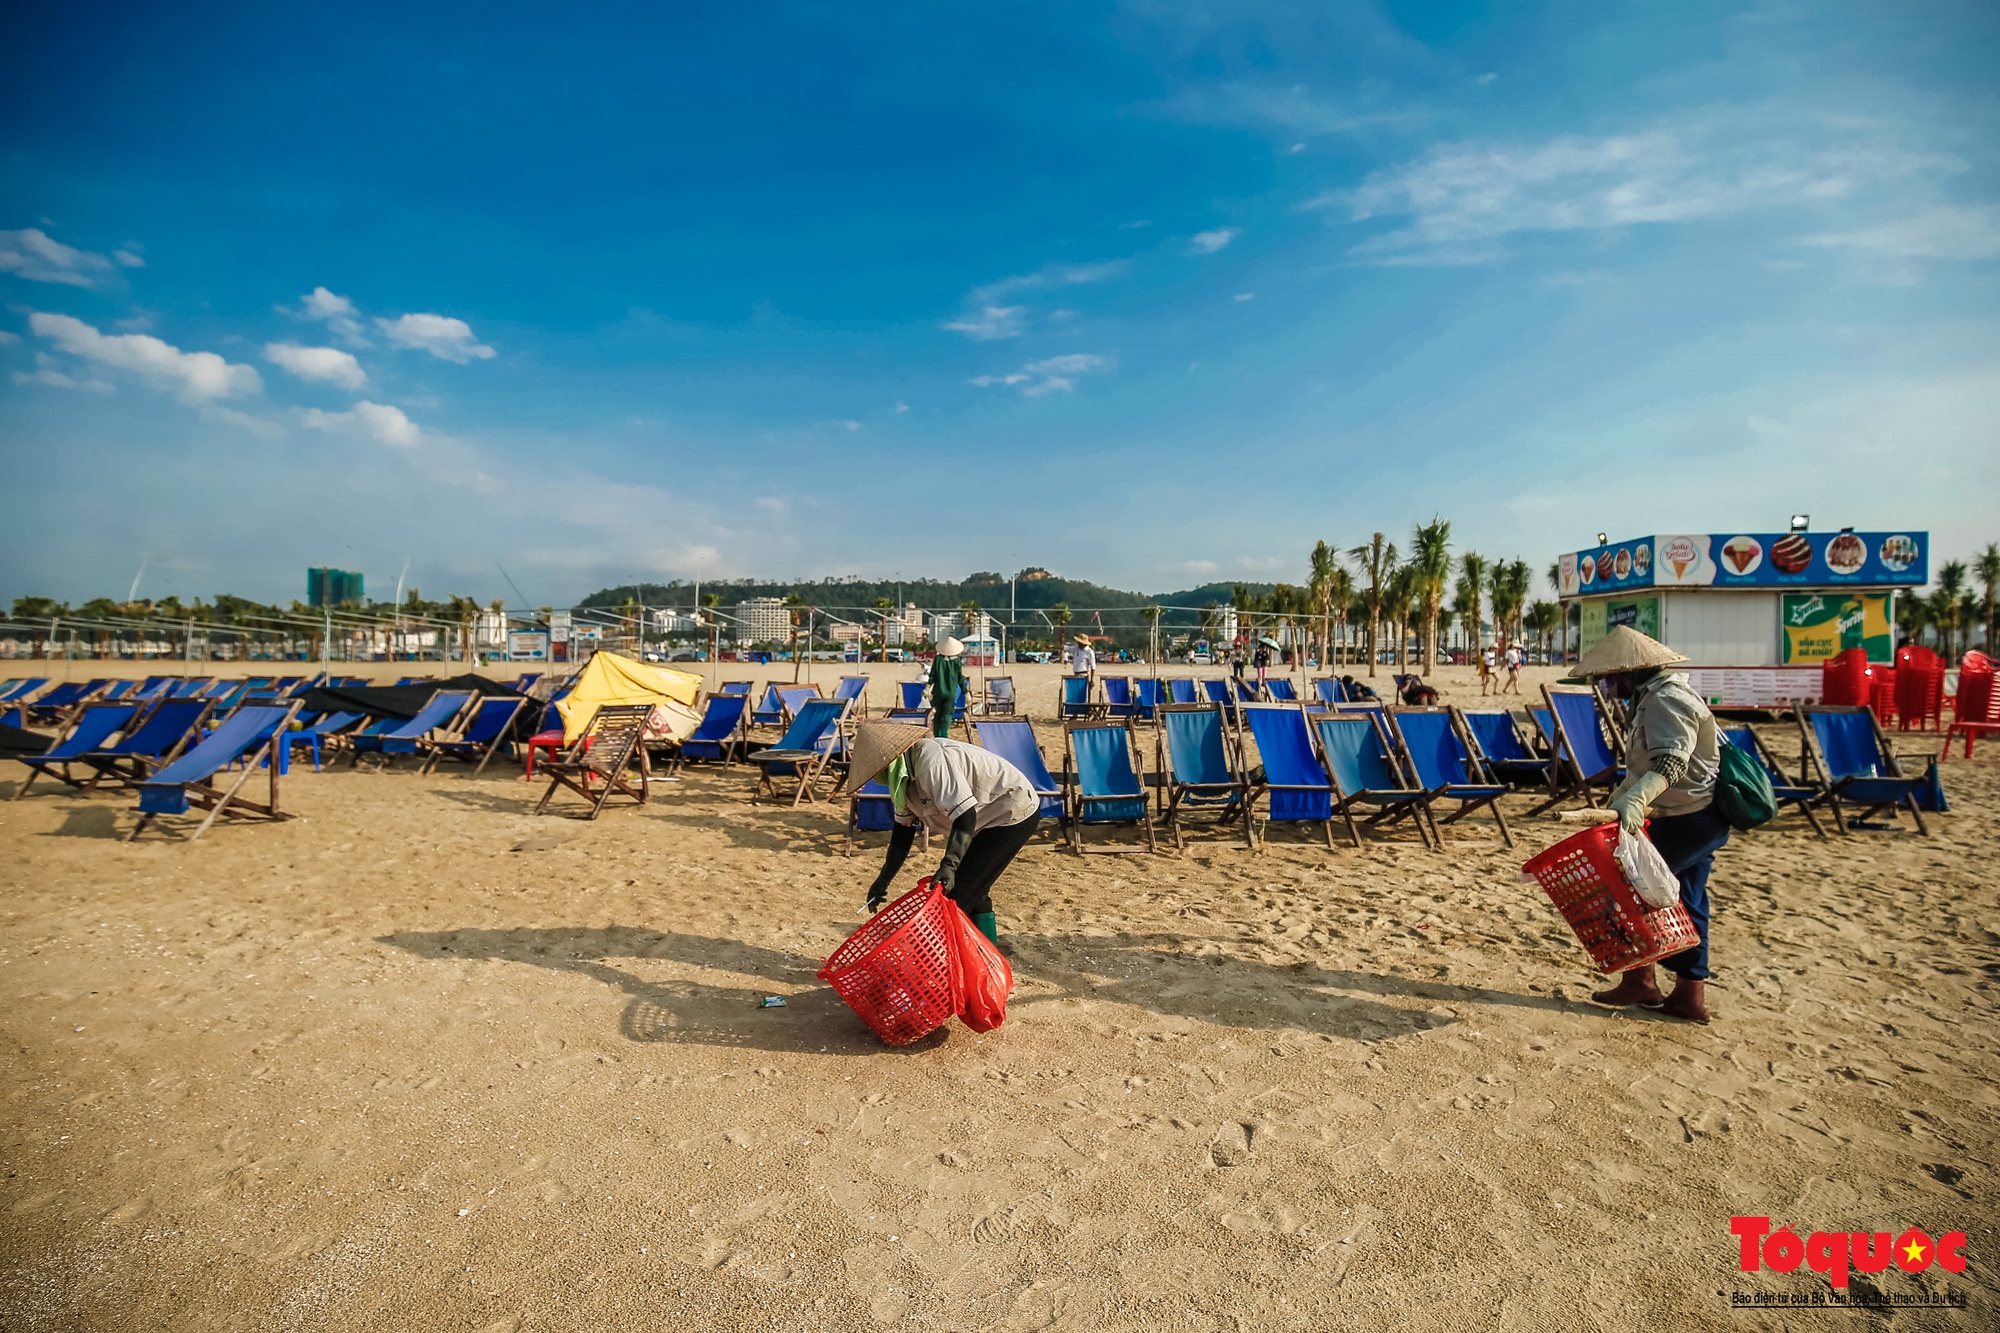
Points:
x=981 y=805
x=1514 y=669
x=1487 y=659
x=1082 y=660
x=1672 y=756
x=947 y=683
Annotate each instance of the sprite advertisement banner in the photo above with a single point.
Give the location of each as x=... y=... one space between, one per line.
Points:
x=1819 y=626
x=1601 y=617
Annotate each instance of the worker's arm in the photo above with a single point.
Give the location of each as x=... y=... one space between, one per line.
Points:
x=900 y=838
x=955 y=847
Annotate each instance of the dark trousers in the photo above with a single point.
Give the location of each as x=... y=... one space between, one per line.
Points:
x=1688 y=843
x=992 y=851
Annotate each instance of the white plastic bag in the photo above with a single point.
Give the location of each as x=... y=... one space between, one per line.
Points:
x=1646 y=870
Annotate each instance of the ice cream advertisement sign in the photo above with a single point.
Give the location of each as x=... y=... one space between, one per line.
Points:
x=1756 y=559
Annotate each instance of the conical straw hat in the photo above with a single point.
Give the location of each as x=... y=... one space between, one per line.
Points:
x=1626 y=649
x=876 y=745
x=951 y=647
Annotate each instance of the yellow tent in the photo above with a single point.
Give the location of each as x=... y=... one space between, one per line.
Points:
x=609 y=678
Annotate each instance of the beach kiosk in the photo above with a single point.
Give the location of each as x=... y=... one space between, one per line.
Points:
x=1756 y=613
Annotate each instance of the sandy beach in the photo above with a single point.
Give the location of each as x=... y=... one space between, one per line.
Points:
x=419 y=1059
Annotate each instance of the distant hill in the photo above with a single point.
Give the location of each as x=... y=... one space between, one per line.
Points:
x=1090 y=604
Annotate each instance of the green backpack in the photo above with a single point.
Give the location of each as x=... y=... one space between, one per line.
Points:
x=1743 y=789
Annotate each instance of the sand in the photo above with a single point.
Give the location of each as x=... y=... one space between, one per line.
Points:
x=373 y=1068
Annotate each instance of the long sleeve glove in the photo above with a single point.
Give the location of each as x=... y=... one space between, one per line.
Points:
x=962 y=830
x=900 y=838
x=1634 y=795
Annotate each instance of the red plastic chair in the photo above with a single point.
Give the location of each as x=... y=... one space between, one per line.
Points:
x=1920 y=695
x=1882 y=694
x=1976 y=709
x=1844 y=679
x=552 y=741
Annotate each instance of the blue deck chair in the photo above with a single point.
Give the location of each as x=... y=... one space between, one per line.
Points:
x=1218 y=692
x=219 y=687
x=248 y=736
x=1183 y=690
x=1447 y=766
x=287 y=685
x=151 y=688
x=913 y=694
x=742 y=687
x=1364 y=774
x=17 y=690
x=794 y=697
x=1103 y=784
x=1014 y=740
x=1852 y=761
x=1281 y=690
x=1193 y=756
x=804 y=751
x=319 y=732
x=116 y=691
x=769 y=710
x=1147 y=696
x=525 y=681
x=1076 y=700
x=1118 y=696
x=59 y=702
x=1584 y=760
x=95 y=725
x=1000 y=699
x=411 y=736
x=1294 y=781
x=167 y=729
x=718 y=738
x=1783 y=789
x=1496 y=736
x=1249 y=692
x=854 y=690
x=1329 y=691
x=490 y=727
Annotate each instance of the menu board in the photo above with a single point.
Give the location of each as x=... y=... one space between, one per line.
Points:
x=1750 y=560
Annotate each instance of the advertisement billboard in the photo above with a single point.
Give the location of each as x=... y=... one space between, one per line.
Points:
x=1818 y=626
x=1753 y=560
x=527 y=646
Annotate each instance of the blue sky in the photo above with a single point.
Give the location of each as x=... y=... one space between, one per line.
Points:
x=1148 y=293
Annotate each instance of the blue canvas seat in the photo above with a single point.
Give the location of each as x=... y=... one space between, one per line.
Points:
x=1183 y=690
x=1445 y=765
x=490 y=727
x=913 y=694
x=1364 y=772
x=1845 y=747
x=1584 y=761
x=1013 y=739
x=1293 y=782
x=718 y=738
x=1000 y=698
x=411 y=736
x=1147 y=696
x=168 y=728
x=95 y=725
x=247 y=737
x=769 y=710
x=17 y=690
x=1329 y=691
x=319 y=732
x=1201 y=770
x=1497 y=736
x=1076 y=697
x=1103 y=784
x=62 y=700
x=1783 y=789
x=742 y=687
x=804 y=751
x=853 y=690
x=1118 y=696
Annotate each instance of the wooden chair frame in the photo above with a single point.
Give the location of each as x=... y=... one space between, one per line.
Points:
x=611 y=743
x=231 y=802
x=1831 y=788
x=1075 y=803
x=1228 y=801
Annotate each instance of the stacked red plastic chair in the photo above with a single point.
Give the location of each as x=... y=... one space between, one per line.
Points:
x=1844 y=679
x=1976 y=708
x=1882 y=693
x=1919 y=689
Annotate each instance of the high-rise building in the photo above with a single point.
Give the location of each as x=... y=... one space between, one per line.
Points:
x=332 y=587
x=763 y=620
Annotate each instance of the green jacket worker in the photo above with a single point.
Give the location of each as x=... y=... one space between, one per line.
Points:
x=981 y=805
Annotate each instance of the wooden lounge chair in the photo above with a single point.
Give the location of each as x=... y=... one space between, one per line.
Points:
x=594 y=765
x=152 y=742
x=1783 y=789
x=999 y=699
x=1359 y=759
x=1293 y=783
x=719 y=737
x=1013 y=739
x=489 y=726
x=1118 y=697
x=248 y=736
x=1201 y=770
x=1496 y=739
x=93 y=728
x=806 y=750
x=1077 y=702
x=1444 y=762
x=1848 y=758
x=1103 y=783
x=1148 y=693
x=1584 y=758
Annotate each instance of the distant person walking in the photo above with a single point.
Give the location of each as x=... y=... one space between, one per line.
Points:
x=1236 y=664
x=1487 y=660
x=1262 y=661
x=1513 y=685
x=947 y=683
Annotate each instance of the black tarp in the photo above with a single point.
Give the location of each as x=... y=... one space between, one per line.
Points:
x=398 y=701
x=15 y=741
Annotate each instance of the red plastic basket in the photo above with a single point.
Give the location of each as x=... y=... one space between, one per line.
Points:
x=896 y=970
x=1583 y=880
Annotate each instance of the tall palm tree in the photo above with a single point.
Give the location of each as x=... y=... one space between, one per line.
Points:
x=1321 y=568
x=1987 y=567
x=1340 y=597
x=1945 y=608
x=1470 y=596
x=1402 y=600
x=1375 y=562
x=1430 y=563
x=884 y=605
x=1060 y=613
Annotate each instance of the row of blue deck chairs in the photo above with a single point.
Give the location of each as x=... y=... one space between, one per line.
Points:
x=1142 y=698
x=25 y=703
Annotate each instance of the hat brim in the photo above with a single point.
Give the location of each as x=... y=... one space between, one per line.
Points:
x=876 y=746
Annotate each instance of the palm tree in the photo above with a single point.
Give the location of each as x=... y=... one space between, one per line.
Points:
x=883 y=606
x=1507 y=587
x=1319 y=589
x=1340 y=596
x=1375 y=562
x=1402 y=599
x=1913 y=613
x=1986 y=566
x=709 y=601
x=1469 y=598
x=1542 y=618
x=1945 y=609
x=1060 y=613
x=1430 y=559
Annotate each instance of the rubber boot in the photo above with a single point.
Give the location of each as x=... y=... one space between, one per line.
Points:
x=1689 y=1000
x=987 y=927
x=1635 y=987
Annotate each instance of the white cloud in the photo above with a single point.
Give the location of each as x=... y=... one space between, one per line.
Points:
x=338 y=312
x=128 y=256
x=442 y=336
x=8 y=339
x=1196 y=567
x=378 y=421
x=197 y=376
x=1943 y=232
x=327 y=365
x=1208 y=242
x=35 y=255
x=48 y=374
x=1461 y=200
x=1246 y=296
x=1051 y=375
x=901 y=408
x=990 y=324
x=771 y=504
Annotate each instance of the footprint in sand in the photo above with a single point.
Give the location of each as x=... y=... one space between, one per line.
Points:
x=1232 y=1145
x=555 y=1191
x=34 y=1203
x=508 y=1325
x=998 y=1227
x=130 y=1210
